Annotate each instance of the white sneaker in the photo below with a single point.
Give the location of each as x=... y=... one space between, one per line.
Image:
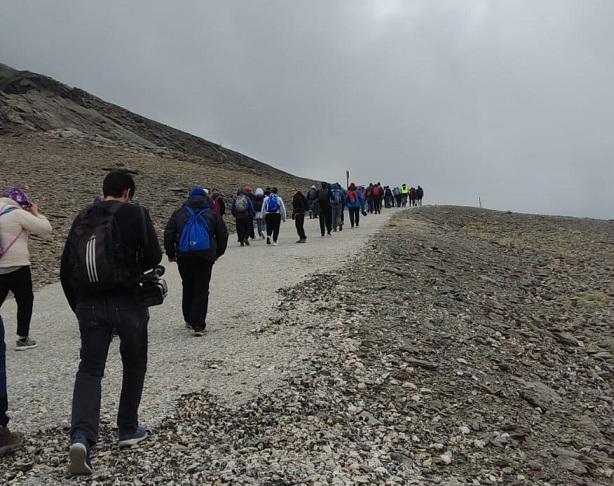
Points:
x=274 y=243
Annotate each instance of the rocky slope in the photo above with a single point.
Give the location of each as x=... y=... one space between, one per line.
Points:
x=462 y=347
x=58 y=142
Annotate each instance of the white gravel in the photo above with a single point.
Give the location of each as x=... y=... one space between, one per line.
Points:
x=231 y=360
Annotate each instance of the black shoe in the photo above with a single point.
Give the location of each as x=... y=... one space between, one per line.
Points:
x=9 y=441
x=247 y=242
x=242 y=244
x=199 y=331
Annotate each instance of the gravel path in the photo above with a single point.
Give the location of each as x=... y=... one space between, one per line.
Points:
x=233 y=361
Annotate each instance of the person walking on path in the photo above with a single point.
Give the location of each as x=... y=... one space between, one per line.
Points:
x=195 y=263
x=300 y=206
x=312 y=198
x=388 y=197
x=274 y=213
x=396 y=192
x=404 y=194
x=419 y=195
x=9 y=441
x=370 y=198
x=354 y=204
x=325 y=209
x=18 y=219
x=243 y=211
x=378 y=194
x=259 y=199
x=217 y=203
x=338 y=204
x=109 y=246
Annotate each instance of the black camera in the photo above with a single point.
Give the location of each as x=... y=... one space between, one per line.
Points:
x=152 y=288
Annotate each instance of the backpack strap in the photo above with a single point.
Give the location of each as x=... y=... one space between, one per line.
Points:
x=7 y=210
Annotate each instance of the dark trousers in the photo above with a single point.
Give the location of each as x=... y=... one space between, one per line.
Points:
x=377 y=205
x=326 y=220
x=299 y=222
x=20 y=284
x=273 y=222
x=4 y=401
x=354 y=216
x=195 y=276
x=245 y=226
x=97 y=320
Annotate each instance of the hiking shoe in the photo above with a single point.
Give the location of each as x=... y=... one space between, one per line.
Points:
x=247 y=242
x=25 y=343
x=9 y=441
x=199 y=331
x=241 y=243
x=274 y=243
x=132 y=439
x=188 y=325
x=268 y=240
x=79 y=456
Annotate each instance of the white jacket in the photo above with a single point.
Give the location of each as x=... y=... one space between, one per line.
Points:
x=282 y=207
x=13 y=223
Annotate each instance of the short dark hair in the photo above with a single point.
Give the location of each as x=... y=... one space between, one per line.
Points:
x=274 y=190
x=116 y=182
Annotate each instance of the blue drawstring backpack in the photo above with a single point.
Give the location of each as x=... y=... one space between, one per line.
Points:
x=195 y=234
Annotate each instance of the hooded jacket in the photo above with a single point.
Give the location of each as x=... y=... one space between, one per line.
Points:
x=300 y=205
x=359 y=201
x=218 y=233
x=19 y=223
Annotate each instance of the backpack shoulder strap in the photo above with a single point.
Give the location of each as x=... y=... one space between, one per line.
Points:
x=7 y=210
x=190 y=210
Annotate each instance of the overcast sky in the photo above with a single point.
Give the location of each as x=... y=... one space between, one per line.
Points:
x=512 y=101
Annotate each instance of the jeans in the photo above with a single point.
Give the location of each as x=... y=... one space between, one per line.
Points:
x=195 y=276
x=273 y=222
x=261 y=226
x=20 y=283
x=326 y=220
x=97 y=320
x=4 y=401
x=337 y=216
x=354 y=216
x=299 y=222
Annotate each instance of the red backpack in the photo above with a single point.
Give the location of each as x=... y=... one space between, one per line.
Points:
x=377 y=191
x=352 y=196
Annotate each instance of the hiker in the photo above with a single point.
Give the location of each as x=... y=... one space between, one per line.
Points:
x=404 y=194
x=362 y=191
x=377 y=194
x=412 y=196
x=274 y=213
x=18 y=219
x=259 y=199
x=337 y=205
x=217 y=203
x=312 y=197
x=195 y=237
x=9 y=441
x=101 y=285
x=325 y=210
x=370 y=202
x=419 y=195
x=252 y=197
x=243 y=211
x=300 y=206
x=396 y=193
x=388 y=197
x=354 y=204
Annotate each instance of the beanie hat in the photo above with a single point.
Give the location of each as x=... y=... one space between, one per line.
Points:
x=197 y=191
x=18 y=196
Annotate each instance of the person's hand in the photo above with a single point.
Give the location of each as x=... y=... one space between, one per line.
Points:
x=34 y=209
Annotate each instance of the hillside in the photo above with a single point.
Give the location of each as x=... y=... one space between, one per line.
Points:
x=58 y=142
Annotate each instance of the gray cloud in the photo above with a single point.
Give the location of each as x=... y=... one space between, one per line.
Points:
x=510 y=100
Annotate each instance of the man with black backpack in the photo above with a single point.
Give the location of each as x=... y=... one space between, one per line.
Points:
x=110 y=244
x=243 y=211
x=325 y=209
x=195 y=237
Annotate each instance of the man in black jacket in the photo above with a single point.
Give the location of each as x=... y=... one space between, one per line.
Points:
x=195 y=268
x=325 y=209
x=299 y=207
x=101 y=287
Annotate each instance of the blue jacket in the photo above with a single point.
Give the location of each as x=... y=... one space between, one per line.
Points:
x=358 y=203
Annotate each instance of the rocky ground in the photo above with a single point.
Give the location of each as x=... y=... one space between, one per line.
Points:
x=64 y=173
x=462 y=347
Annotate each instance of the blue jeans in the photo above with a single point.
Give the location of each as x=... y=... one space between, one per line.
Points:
x=97 y=320
x=4 y=400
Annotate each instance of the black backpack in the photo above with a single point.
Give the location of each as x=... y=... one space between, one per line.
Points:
x=324 y=197
x=98 y=259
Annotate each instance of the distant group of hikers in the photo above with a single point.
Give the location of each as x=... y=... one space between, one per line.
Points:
x=110 y=275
